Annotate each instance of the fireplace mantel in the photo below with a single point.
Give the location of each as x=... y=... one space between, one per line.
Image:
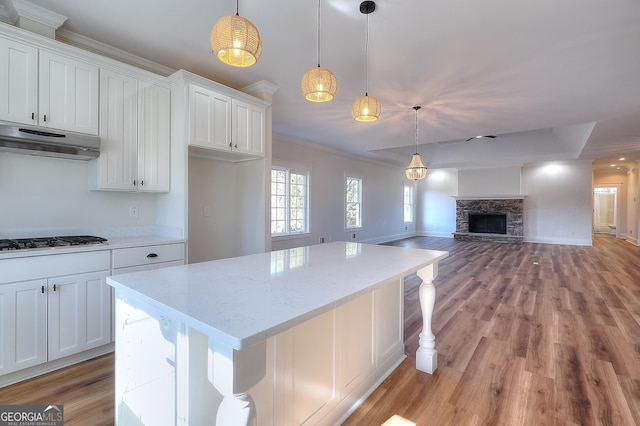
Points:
x=489 y=197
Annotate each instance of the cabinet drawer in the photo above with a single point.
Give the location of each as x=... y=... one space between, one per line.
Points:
x=53 y=265
x=124 y=258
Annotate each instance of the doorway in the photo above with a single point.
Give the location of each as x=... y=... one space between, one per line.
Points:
x=605 y=210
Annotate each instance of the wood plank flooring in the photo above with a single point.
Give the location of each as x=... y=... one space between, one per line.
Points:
x=531 y=334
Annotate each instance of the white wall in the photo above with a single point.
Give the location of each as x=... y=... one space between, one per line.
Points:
x=212 y=212
x=504 y=181
x=382 y=203
x=558 y=203
x=436 y=214
x=51 y=194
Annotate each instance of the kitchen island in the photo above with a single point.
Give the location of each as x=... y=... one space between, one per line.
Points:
x=287 y=337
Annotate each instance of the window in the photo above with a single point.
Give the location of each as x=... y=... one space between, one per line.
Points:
x=354 y=203
x=289 y=212
x=408 y=204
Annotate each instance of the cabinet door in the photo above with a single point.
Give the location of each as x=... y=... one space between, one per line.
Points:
x=117 y=164
x=79 y=315
x=248 y=128
x=153 y=138
x=68 y=94
x=18 y=82
x=209 y=118
x=23 y=325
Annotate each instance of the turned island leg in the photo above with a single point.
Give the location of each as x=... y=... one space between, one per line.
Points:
x=233 y=373
x=426 y=355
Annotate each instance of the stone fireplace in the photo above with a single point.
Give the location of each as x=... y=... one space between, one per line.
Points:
x=489 y=219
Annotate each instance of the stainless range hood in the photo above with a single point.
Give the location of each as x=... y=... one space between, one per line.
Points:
x=31 y=140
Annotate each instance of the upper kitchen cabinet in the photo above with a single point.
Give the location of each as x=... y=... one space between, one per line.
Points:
x=43 y=88
x=68 y=94
x=135 y=134
x=248 y=128
x=18 y=82
x=230 y=127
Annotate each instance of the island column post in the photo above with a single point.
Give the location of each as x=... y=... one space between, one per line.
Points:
x=426 y=355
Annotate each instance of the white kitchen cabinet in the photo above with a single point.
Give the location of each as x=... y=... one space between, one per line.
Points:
x=147 y=257
x=23 y=325
x=134 y=128
x=53 y=306
x=248 y=128
x=47 y=89
x=18 y=82
x=220 y=122
x=79 y=314
x=67 y=93
x=209 y=118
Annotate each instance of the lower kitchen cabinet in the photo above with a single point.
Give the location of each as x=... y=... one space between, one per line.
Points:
x=23 y=332
x=48 y=312
x=79 y=314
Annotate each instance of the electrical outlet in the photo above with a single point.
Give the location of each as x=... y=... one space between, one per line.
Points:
x=207 y=211
x=321 y=240
x=133 y=211
x=353 y=235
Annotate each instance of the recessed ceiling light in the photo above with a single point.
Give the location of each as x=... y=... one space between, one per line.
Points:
x=613 y=165
x=481 y=136
x=621 y=158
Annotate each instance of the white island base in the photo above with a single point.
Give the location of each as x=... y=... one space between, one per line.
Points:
x=283 y=338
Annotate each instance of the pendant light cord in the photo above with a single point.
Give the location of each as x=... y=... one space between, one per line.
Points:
x=366 y=61
x=319 y=1
x=416 y=108
x=237 y=8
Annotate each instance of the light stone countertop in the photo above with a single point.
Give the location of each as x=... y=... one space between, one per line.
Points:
x=245 y=300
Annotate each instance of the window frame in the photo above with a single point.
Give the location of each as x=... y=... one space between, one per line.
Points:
x=359 y=225
x=411 y=187
x=288 y=170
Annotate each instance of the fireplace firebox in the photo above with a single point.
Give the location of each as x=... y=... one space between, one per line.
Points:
x=488 y=223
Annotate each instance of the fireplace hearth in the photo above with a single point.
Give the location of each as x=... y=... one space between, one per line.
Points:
x=490 y=219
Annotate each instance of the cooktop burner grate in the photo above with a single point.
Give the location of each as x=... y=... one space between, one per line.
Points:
x=46 y=242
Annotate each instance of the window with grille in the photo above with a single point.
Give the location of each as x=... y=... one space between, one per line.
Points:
x=353 y=202
x=289 y=201
x=408 y=204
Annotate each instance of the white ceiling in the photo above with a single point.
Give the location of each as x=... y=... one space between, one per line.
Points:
x=552 y=79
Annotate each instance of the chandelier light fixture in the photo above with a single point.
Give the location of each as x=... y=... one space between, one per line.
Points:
x=236 y=41
x=366 y=108
x=319 y=84
x=416 y=170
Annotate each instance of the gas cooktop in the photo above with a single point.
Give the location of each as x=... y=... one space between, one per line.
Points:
x=47 y=242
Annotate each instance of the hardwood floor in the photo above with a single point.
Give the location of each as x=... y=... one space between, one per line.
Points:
x=531 y=334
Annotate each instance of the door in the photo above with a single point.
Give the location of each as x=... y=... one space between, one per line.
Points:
x=605 y=210
x=117 y=164
x=209 y=118
x=248 y=128
x=153 y=138
x=23 y=325
x=79 y=315
x=68 y=94
x=18 y=82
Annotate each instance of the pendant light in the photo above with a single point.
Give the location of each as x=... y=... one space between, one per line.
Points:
x=366 y=108
x=236 y=41
x=416 y=170
x=319 y=84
